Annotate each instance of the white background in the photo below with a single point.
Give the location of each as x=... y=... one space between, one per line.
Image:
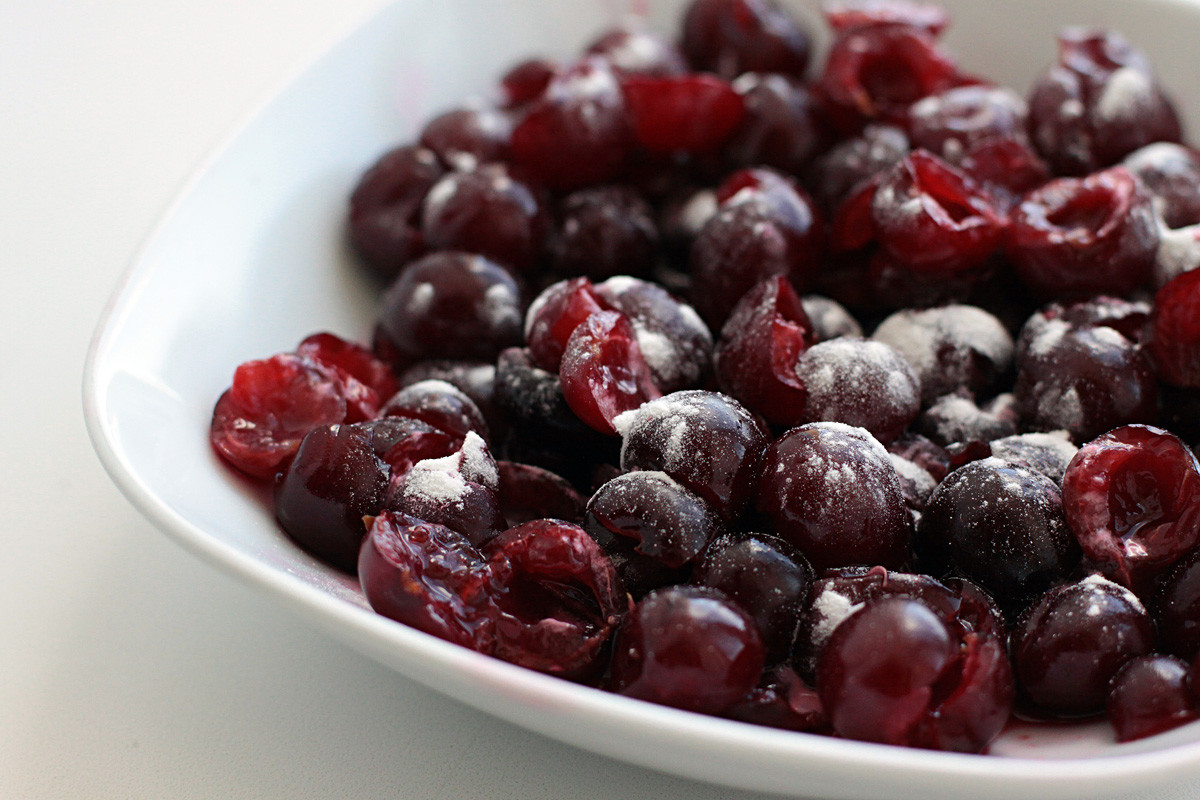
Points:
x=128 y=669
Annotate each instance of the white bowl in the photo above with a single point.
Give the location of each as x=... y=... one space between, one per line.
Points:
x=250 y=259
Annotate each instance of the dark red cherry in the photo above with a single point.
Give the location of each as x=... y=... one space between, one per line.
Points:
x=457 y=490
x=451 y=305
x=577 y=131
x=694 y=113
x=603 y=372
x=485 y=210
x=385 y=208
x=1177 y=608
x=1174 y=331
x=952 y=123
x=782 y=127
x=764 y=575
x=430 y=578
x=1000 y=525
x=335 y=480
x=440 y=404
x=760 y=346
x=862 y=383
x=1078 y=237
x=605 y=231
x=765 y=227
x=1149 y=695
x=893 y=672
x=633 y=50
x=688 y=647
x=730 y=37
x=1132 y=499
x=464 y=138
x=1084 y=380
x=525 y=81
x=832 y=491
x=1070 y=643
x=258 y=424
x=932 y=218
x=705 y=440
x=782 y=700
x=951 y=347
x=664 y=520
x=876 y=72
x=1171 y=173
x=558 y=599
x=1098 y=103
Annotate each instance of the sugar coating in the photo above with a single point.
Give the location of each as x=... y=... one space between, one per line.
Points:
x=829 y=318
x=922 y=481
x=1178 y=252
x=1126 y=95
x=923 y=336
x=436 y=481
x=829 y=609
x=501 y=305
x=476 y=462
x=859 y=382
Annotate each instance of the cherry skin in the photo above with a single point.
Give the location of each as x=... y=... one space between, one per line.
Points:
x=688 y=647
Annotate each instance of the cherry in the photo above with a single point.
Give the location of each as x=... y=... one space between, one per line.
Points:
x=932 y=218
x=464 y=138
x=782 y=700
x=664 y=520
x=759 y=349
x=1084 y=380
x=705 y=440
x=1174 y=331
x=450 y=305
x=603 y=372
x=893 y=672
x=1076 y=237
x=832 y=491
x=782 y=126
x=385 y=208
x=430 y=578
x=1071 y=642
x=764 y=575
x=829 y=318
x=688 y=647
x=605 y=231
x=527 y=493
x=875 y=72
x=271 y=406
x=1048 y=453
x=1171 y=173
x=457 y=491
x=693 y=113
x=1001 y=525
x=954 y=419
x=335 y=479
x=951 y=348
x=633 y=50
x=764 y=227
x=675 y=342
x=485 y=210
x=1132 y=499
x=954 y=122
x=576 y=131
x=731 y=37
x=525 y=81
x=1097 y=104
x=440 y=404
x=1149 y=695
x=558 y=599
x=861 y=383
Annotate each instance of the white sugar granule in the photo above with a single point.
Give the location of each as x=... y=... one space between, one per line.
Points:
x=476 y=463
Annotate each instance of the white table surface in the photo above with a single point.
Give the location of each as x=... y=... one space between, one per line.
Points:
x=128 y=668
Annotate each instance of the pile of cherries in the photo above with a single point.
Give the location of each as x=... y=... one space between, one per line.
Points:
x=620 y=422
